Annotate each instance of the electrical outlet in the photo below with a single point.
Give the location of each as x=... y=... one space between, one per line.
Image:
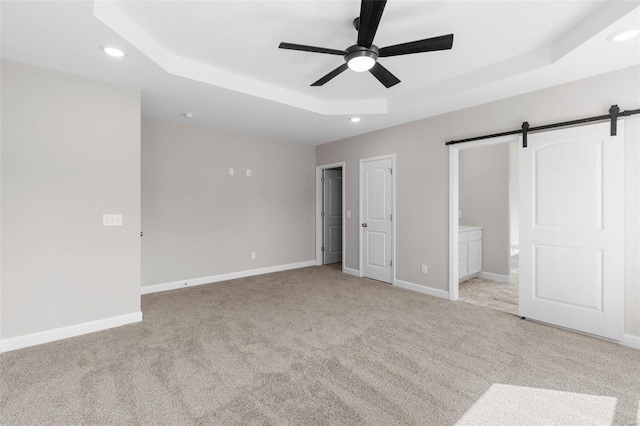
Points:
x=111 y=220
x=424 y=269
x=253 y=255
x=248 y=172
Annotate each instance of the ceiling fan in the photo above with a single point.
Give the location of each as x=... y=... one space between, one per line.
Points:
x=363 y=56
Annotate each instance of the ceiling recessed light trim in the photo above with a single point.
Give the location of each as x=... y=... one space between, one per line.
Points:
x=623 y=35
x=354 y=119
x=188 y=114
x=113 y=51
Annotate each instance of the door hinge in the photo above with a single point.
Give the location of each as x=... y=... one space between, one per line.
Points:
x=322 y=180
x=322 y=214
x=391 y=217
x=322 y=249
x=391 y=263
x=391 y=171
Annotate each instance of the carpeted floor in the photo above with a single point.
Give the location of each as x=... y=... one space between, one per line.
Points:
x=311 y=346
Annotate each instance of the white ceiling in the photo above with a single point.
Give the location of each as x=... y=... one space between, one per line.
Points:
x=220 y=59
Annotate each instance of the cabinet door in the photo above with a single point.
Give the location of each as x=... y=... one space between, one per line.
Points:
x=474 y=260
x=462 y=261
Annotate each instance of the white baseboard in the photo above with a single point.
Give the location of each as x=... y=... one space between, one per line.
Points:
x=350 y=271
x=223 y=277
x=631 y=341
x=422 y=289
x=494 y=277
x=33 y=339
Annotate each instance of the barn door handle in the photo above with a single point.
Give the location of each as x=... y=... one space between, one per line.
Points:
x=364 y=225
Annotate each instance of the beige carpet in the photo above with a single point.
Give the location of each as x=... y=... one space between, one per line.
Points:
x=305 y=347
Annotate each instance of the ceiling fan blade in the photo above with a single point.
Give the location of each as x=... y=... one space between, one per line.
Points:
x=302 y=47
x=370 y=15
x=384 y=76
x=331 y=75
x=427 y=45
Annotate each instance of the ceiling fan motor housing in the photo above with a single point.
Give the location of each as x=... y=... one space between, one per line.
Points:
x=357 y=51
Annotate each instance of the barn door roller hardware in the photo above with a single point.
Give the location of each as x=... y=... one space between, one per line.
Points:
x=614 y=114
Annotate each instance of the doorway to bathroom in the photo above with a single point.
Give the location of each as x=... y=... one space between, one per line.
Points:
x=487 y=245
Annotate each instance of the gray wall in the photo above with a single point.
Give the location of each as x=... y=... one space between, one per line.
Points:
x=70 y=153
x=199 y=221
x=422 y=171
x=484 y=201
x=514 y=193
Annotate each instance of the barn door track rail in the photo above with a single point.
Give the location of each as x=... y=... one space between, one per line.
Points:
x=614 y=114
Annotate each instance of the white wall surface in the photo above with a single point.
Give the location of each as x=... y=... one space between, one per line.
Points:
x=422 y=171
x=484 y=201
x=199 y=221
x=70 y=153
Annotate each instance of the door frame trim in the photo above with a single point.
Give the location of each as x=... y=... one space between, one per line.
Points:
x=319 y=201
x=393 y=209
x=454 y=203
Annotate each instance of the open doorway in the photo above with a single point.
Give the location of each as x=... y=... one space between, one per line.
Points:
x=330 y=182
x=484 y=202
x=332 y=217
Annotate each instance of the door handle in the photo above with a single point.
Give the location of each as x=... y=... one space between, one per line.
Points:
x=364 y=225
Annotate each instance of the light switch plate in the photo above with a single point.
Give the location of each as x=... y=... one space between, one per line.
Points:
x=348 y=213
x=111 y=220
x=248 y=172
x=231 y=171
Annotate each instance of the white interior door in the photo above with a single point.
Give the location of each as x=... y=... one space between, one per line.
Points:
x=377 y=229
x=572 y=229
x=332 y=216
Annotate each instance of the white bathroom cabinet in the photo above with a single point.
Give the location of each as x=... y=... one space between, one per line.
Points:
x=470 y=251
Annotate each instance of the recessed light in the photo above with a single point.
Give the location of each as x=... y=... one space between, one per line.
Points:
x=112 y=51
x=355 y=119
x=188 y=114
x=623 y=35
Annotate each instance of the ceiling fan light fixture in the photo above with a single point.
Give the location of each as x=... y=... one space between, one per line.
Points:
x=361 y=63
x=361 y=59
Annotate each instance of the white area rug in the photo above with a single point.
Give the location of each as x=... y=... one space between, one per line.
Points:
x=516 y=405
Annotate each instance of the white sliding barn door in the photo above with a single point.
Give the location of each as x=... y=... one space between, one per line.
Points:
x=572 y=229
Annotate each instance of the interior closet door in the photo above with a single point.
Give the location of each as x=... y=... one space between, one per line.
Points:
x=377 y=227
